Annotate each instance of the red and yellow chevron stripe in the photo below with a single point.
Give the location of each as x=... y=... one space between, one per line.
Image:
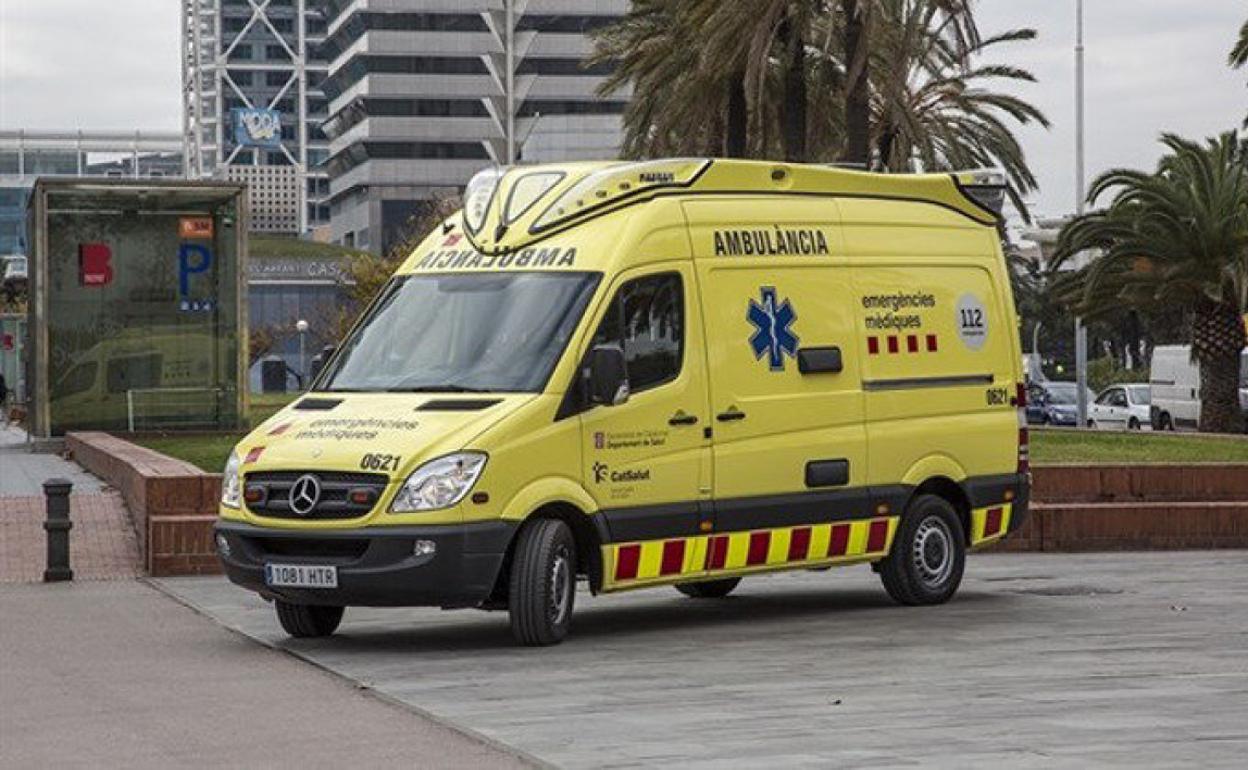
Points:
x=632 y=565
x=990 y=523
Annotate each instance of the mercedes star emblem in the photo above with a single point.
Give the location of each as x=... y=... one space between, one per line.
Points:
x=305 y=494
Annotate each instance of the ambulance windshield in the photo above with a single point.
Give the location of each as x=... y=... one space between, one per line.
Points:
x=463 y=333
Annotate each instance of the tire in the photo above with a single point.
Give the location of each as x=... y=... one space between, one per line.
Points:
x=1166 y=422
x=928 y=555
x=1133 y=424
x=1092 y=424
x=709 y=589
x=543 y=583
x=307 y=621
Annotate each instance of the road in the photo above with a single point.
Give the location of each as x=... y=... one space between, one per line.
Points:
x=1042 y=660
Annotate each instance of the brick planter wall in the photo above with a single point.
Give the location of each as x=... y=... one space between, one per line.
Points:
x=174 y=503
x=1074 y=508
x=1135 y=507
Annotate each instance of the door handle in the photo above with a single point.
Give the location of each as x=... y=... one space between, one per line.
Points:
x=731 y=415
x=680 y=418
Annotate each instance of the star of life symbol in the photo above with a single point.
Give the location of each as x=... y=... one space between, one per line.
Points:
x=773 y=336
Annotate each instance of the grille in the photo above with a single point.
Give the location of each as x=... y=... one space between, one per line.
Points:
x=334 y=503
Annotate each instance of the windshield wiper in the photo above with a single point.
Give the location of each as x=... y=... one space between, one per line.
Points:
x=437 y=389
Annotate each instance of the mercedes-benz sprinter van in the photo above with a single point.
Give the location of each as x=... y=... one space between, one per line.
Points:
x=678 y=372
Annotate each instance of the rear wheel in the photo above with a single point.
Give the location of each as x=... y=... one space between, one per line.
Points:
x=306 y=621
x=709 y=589
x=1165 y=422
x=928 y=555
x=543 y=583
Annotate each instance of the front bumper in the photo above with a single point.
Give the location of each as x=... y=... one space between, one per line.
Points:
x=376 y=565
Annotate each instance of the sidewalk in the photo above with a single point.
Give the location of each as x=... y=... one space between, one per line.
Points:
x=116 y=674
x=103 y=543
x=23 y=472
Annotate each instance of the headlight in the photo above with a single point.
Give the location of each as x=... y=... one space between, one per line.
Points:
x=439 y=483
x=230 y=485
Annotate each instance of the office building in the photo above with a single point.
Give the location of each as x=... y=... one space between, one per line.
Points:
x=253 y=106
x=424 y=93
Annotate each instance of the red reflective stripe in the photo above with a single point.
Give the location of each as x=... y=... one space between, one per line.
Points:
x=759 y=541
x=799 y=544
x=912 y=343
x=673 y=557
x=877 y=536
x=839 y=541
x=717 y=552
x=992 y=522
x=873 y=345
x=931 y=343
x=627 y=562
x=893 y=345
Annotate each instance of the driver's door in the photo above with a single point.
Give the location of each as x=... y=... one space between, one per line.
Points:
x=646 y=461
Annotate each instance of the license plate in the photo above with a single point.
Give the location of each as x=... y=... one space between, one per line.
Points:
x=300 y=576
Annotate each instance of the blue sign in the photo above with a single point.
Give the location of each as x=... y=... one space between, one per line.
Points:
x=773 y=335
x=257 y=128
x=193 y=259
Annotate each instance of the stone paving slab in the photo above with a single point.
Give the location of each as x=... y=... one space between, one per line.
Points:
x=102 y=544
x=22 y=472
x=116 y=675
x=1041 y=661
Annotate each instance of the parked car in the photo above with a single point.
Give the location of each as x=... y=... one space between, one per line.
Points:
x=1119 y=407
x=1175 y=382
x=1053 y=403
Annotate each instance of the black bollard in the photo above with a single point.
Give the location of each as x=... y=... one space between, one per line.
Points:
x=57 y=525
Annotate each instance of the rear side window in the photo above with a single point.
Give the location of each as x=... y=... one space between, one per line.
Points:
x=647 y=319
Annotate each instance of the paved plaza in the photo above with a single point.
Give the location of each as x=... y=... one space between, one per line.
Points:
x=1136 y=659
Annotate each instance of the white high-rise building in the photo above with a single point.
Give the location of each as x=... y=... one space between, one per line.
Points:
x=253 y=106
x=424 y=93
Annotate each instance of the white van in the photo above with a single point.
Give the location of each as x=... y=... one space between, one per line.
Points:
x=1175 y=381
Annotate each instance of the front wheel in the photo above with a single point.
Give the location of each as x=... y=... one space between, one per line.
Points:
x=928 y=554
x=307 y=621
x=709 y=589
x=1133 y=424
x=543 y=583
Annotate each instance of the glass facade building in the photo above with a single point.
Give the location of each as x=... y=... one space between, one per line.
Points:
x=138 y=305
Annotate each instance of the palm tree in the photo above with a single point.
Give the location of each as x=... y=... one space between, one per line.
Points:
x=677 y=108
x=931 y=106
x=1239 y=54
x=860 y=25
x=1178 y=237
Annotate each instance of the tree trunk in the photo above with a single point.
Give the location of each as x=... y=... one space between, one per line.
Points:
x=857 y=94
x=1217 y=341
x=738 y=118
x=888 y=138
x=795 y=91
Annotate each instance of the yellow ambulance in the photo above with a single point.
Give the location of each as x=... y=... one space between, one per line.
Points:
x=676 y=372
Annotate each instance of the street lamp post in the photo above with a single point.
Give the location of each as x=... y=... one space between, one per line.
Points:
x=1081 y=332
x=302 y=327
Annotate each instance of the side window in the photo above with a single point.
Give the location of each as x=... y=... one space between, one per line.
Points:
x=647 y=319
x=1106 y=398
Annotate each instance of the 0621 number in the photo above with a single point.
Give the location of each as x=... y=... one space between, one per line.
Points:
x=372 y=462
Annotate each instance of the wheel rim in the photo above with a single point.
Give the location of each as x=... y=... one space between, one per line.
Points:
x=933 y=552
x=561 y=586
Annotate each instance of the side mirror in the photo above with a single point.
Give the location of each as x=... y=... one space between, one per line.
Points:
x=608 y=376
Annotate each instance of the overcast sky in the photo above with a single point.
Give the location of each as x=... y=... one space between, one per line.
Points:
x=1152 y=66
